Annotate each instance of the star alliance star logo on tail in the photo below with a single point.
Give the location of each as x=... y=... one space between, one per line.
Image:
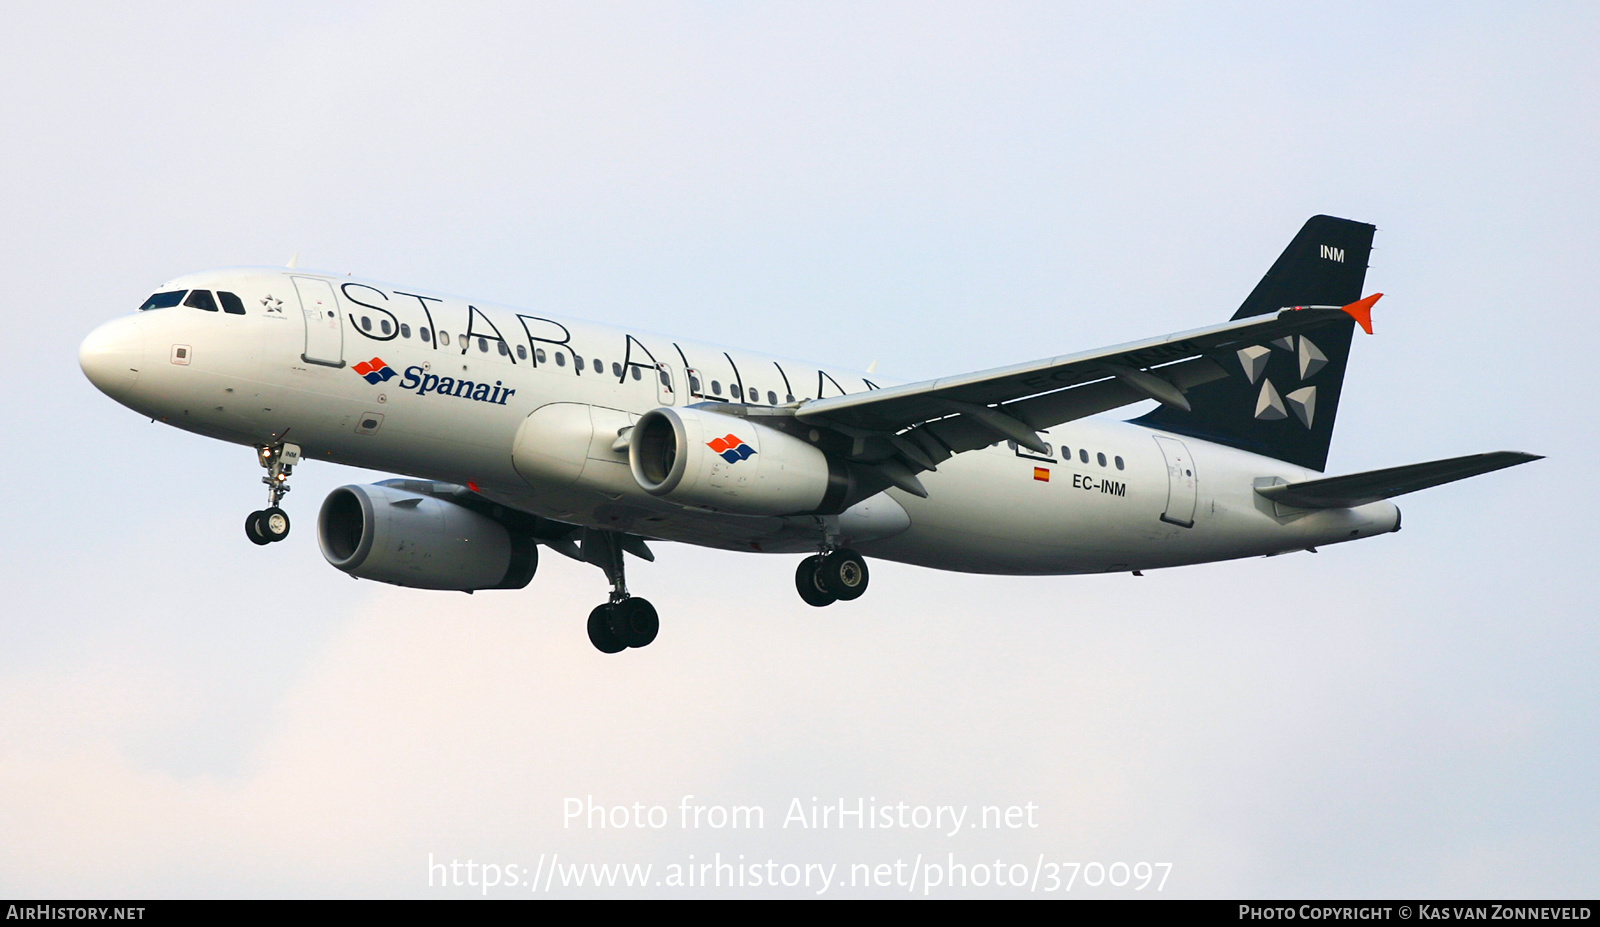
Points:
x=731 y=448
x=1270 y=404
x=375 y=371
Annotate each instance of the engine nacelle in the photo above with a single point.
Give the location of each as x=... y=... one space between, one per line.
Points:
x=387 y=533
x=728 y=464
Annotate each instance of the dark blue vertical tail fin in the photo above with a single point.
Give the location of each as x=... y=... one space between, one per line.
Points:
x=1279 y=399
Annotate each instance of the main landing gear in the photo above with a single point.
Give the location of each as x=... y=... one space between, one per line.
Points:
x=833 y=576
x=625 y=621
x=272 y=523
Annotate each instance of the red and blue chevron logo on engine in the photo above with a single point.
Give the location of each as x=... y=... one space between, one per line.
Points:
x=731 y=448
x=374 y=371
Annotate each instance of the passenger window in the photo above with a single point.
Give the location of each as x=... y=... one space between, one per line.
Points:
x=231 y=304
x=444 y=338
x=425 y=335
x=616 y=370
x=665 y=380
x=504 y=351
x=716 y=387
x=772 y=398
x=636 y=374
x=1119 y=463
x=483 y=346
x=201 y=299
x=1083 y=455
x=384 y=326
x=538 y=355
x=790 y=398
x=366 y=324
x=694 y=384
x=734 y=389
x=522 y=352
x=163 y=300
x=1101 y=458
x=577 y=360
x=561 y=359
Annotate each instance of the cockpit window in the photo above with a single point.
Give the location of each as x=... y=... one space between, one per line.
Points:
x=163 y=300
x=201 y=299
x=231 y=304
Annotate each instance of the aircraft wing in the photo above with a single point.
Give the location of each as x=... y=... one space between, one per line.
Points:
x=1341 y=492
x=924 y=423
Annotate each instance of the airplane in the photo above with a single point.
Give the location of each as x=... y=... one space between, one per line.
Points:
x=514 y=429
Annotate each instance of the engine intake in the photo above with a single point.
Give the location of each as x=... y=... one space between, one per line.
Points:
x=390 y=534
x=704 y=459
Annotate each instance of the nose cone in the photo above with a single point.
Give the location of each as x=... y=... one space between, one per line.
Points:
x=112 y=355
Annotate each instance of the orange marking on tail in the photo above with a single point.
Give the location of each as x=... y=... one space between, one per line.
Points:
x=1362 y=311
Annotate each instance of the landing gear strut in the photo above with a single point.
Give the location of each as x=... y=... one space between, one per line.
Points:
x=272 y=523
x=834 y=575
x=625 y=621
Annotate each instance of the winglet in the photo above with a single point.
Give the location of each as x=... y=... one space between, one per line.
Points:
x=1362 y=311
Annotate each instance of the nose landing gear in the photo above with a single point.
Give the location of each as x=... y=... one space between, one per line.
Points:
x=267 y=525
x=272 y=523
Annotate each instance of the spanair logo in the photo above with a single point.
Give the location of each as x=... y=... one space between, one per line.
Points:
x=375 y=371
x=731 y=448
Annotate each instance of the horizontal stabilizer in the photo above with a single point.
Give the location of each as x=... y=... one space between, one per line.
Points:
x=1341 y=492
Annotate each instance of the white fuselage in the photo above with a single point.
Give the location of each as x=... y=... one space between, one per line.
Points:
x=1111 y=496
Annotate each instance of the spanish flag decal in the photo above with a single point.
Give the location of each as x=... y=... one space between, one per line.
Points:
x=1041 y=474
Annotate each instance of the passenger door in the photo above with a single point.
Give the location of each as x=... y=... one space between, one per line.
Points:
x=324 y=328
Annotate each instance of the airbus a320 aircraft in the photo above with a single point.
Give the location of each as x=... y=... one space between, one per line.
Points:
x=518 y=429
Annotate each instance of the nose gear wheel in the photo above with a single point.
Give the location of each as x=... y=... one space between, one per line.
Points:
x=272 y=523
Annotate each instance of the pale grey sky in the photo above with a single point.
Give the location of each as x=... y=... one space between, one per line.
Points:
x=938 y=187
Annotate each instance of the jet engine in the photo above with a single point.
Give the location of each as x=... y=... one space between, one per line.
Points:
x=724 y=463
x=393 y=533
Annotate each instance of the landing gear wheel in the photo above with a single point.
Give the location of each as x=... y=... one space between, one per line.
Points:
x=273 y=524
x=808 y=584
x=844 y=574
x=634 y=622
x=252 y=529
x=600 y=631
